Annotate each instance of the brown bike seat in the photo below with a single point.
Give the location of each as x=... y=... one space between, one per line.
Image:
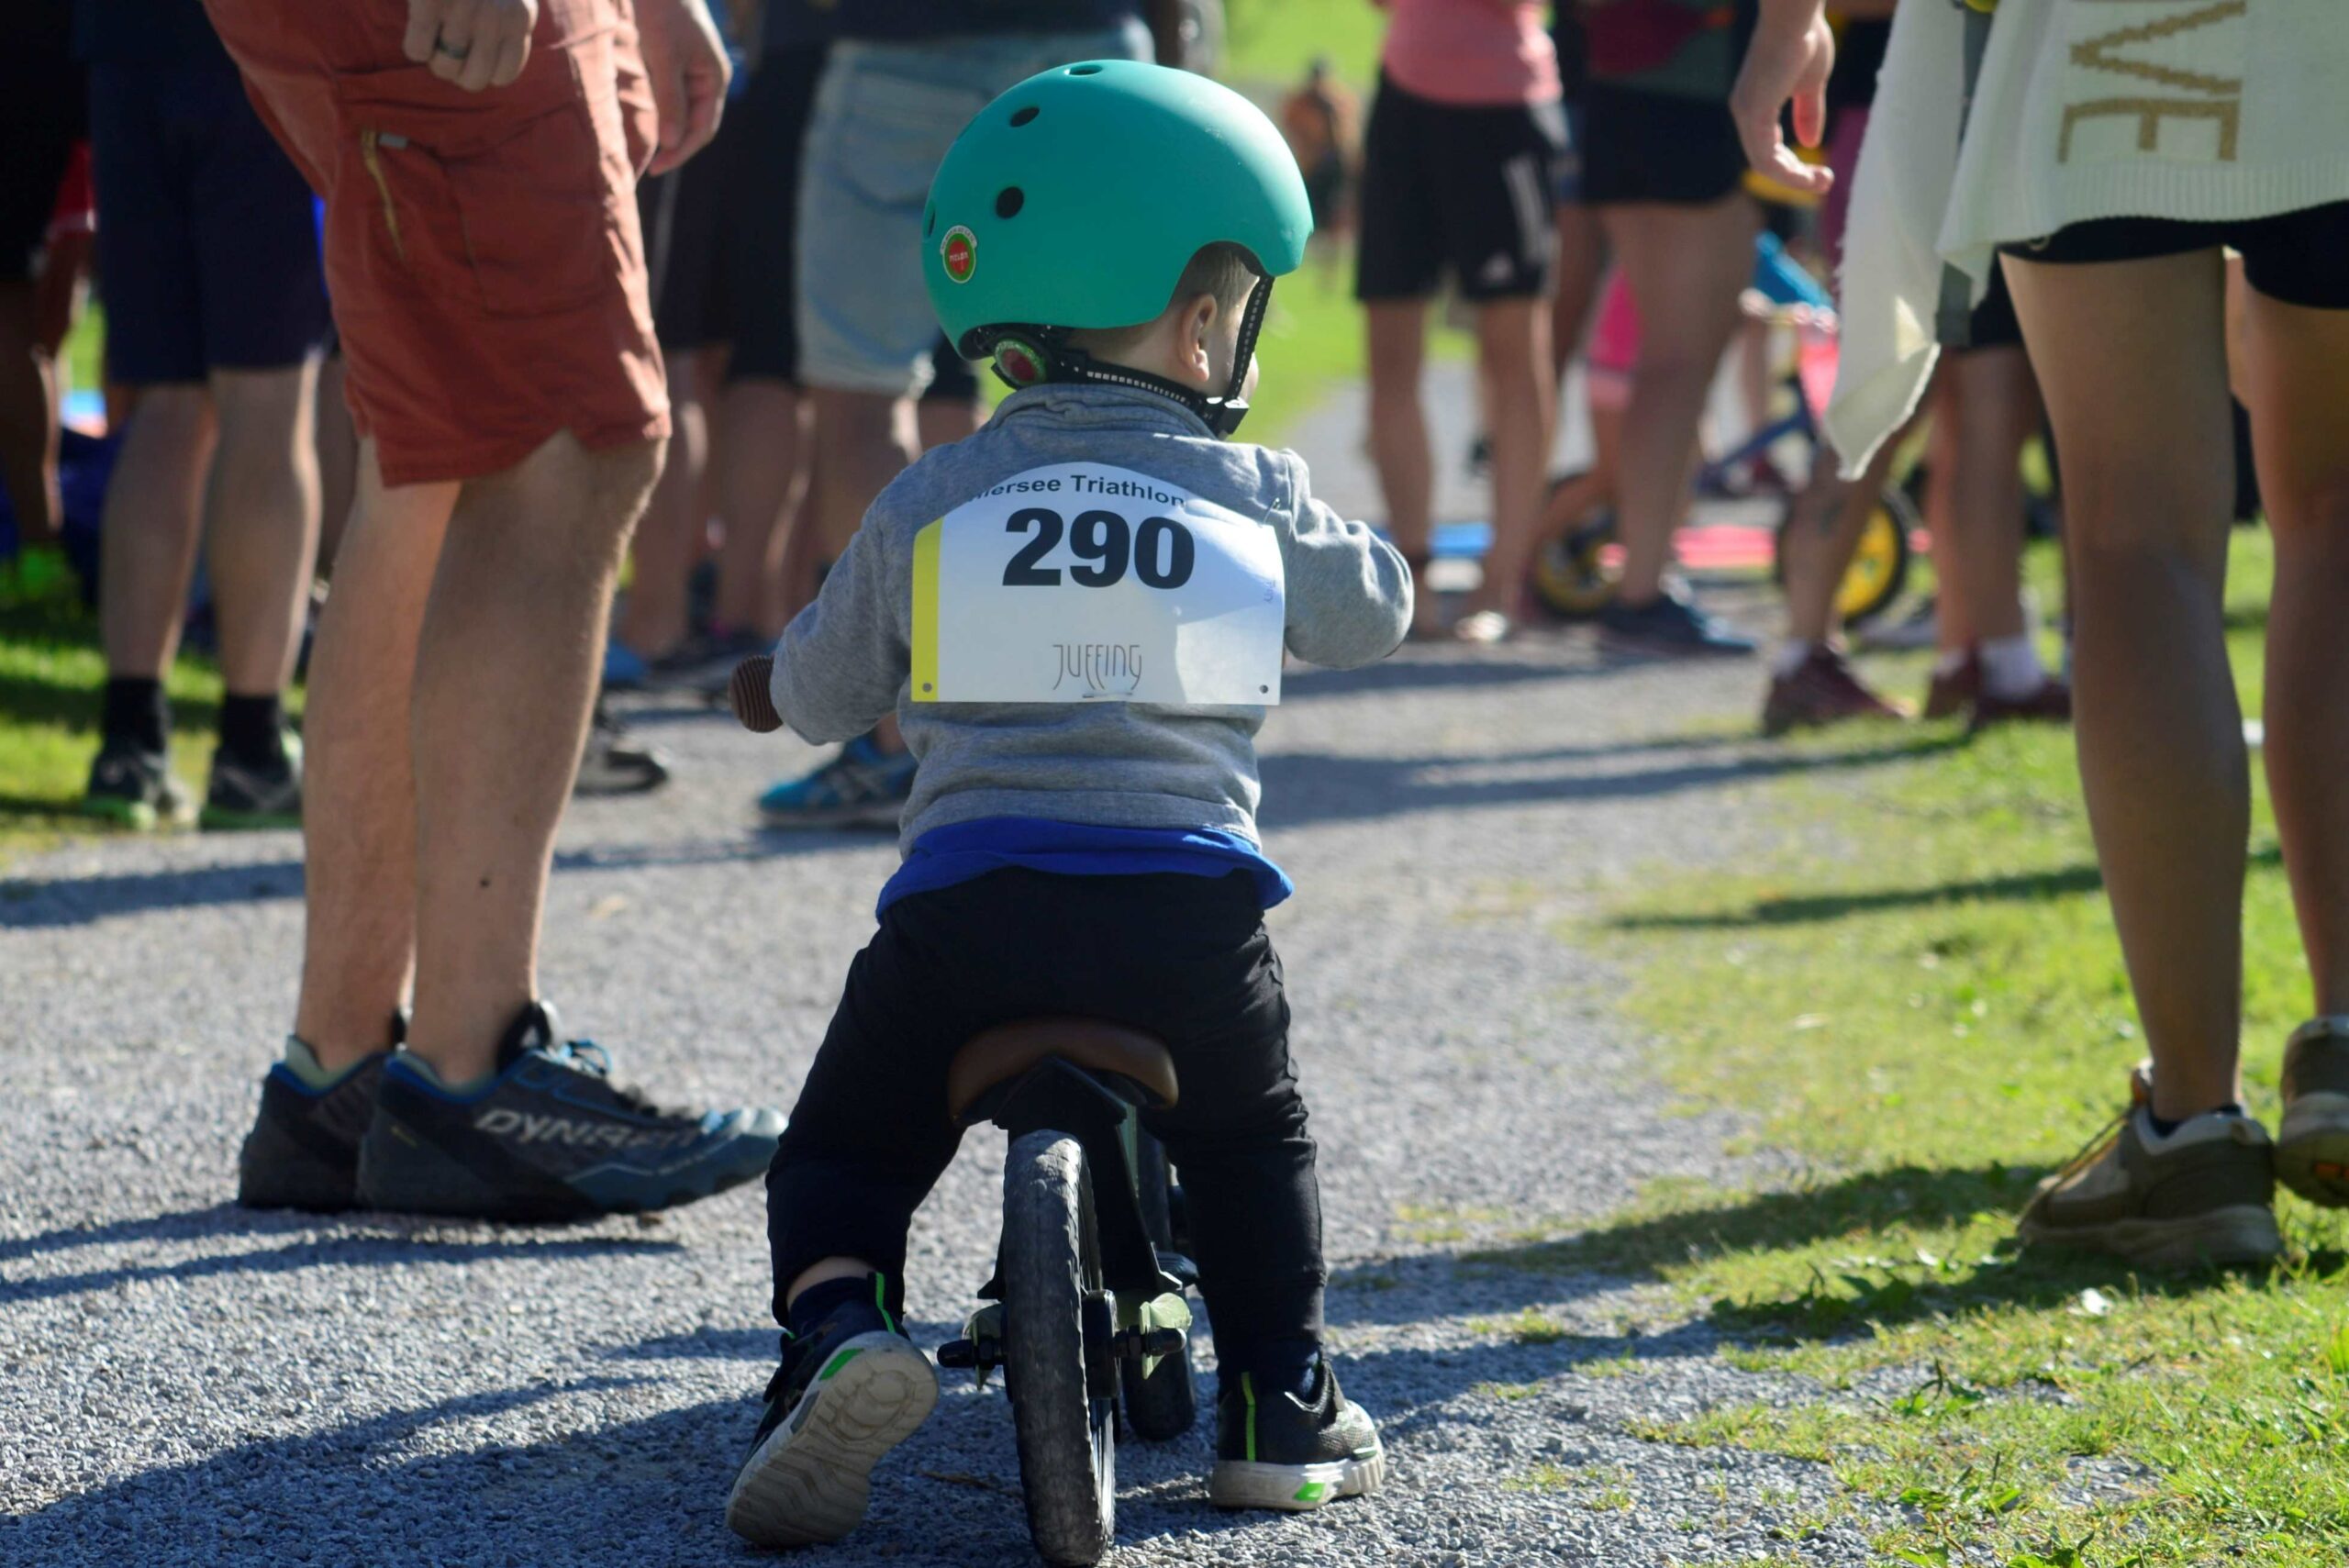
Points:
x=1008 y=1050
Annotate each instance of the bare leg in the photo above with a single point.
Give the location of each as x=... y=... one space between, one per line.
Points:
x=762 y=482
x=27 y=417
x=337 y=462
x=358 y=781
x=153 y=517
x=1685 y=265
x=653 y=617
x=1398 y=436
x=2296 y=366
x=502 y=685
x=1953 y=632
x=1582 y=267
x=2131 y=356
x=1828 y=517
x=263 y=511
x=1513 y=364
x=864 y=437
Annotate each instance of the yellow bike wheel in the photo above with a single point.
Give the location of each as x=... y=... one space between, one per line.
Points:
x=1569 y=576
x=1879 y=567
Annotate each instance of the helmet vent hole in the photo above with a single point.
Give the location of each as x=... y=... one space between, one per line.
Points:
x=1022 y=114
x=1008 y=201
x=1090 y=68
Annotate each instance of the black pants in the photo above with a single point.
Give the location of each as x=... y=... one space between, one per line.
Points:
x=1184 y=957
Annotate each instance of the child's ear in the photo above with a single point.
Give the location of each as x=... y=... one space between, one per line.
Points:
x=1198 y=321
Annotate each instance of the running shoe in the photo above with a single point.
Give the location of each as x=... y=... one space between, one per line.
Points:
x=2051 y=704
x=1823 y=690
x=134 y=787
x=1671 y=626
x=864 y=786
x=2313 y=1147
x=549 y=1137
x=616 y=761
x=2203 y=1194
x=303 y=1150
x=1952 y=691
x=245 y=792
x=1276 y=1451
x=848 y=1392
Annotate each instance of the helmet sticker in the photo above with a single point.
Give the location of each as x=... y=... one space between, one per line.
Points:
x=959 y=253
x=1018 y=362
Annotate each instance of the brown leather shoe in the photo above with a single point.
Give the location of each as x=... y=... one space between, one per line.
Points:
x=1954 y=693
x=2051 y=704
x=1823 y=690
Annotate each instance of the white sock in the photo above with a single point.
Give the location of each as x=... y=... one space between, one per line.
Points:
x=1791 y=656
x=2010 y=667
x=1952 y=661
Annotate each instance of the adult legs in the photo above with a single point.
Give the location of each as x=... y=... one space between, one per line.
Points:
x=502 y=687
x=1581 y=268
x=2131 y=357
x=263 y=509
x=1398 y=436
x=358 y=780
x=27 y=415
x=148 y=535
x=654 y=619
x=1687 y=264
x=2296 y=371
x=1513 y=362
x=763 y=484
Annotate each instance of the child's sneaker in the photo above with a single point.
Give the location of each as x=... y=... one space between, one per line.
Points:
x=1276 y=1451
x=848 y=1390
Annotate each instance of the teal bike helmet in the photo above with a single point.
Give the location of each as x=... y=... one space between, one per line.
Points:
x=1076 y=201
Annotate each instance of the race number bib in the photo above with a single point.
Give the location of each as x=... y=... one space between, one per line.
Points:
x=1079 y=583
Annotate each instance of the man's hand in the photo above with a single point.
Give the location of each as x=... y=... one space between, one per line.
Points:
x=688 y=70
x=475 y=43
x=1792 y=52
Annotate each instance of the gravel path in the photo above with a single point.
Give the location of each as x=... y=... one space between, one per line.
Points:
x=183 y=1383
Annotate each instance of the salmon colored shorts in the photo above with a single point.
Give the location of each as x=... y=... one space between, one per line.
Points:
x=482 y=249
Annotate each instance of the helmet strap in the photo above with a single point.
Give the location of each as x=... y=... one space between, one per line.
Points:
x=1033 y=356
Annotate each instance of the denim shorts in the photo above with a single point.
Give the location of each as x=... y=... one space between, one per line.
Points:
x=884 y=115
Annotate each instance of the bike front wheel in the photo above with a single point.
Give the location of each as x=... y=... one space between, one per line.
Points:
x=1057 y=1324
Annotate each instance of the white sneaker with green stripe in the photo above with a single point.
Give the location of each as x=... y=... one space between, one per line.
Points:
x=1274 y=1450
x=845 y=1395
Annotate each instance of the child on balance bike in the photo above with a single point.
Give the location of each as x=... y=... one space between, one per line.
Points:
x=1078 y=616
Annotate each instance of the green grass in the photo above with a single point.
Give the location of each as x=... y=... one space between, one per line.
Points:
x=1922 y=997
x=1268 y=44
x=50 y=671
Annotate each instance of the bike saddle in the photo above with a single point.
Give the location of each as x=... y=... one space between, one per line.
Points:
x=1010 y=1051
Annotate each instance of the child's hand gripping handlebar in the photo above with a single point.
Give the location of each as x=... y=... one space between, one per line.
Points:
x=753 y=707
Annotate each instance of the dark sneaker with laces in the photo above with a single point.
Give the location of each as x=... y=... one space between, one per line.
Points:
x=2050 y=704
x=1823 y=690
x=861 y=787
x=1672 y=627
x=2313 y=1146
x=848 y=1392
x=1276 y=1451
x=1952 y=691
x=2202 y=1195
x=303 y=1150
x=246 y=791
x=549 y=1137
x=134 y=787
x=616 y=761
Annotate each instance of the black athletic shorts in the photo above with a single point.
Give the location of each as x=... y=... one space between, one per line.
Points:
x=2301 y=258
x=770 y=123
x=1655 y=147
x=207 y=238
x=1993 y=325
x=1465 y=187
x=43 y=112
x=686 y=214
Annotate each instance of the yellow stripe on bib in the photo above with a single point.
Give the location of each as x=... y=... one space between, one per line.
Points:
x=924 y=670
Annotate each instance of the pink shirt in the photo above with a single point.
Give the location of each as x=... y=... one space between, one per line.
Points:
x=1471 y=51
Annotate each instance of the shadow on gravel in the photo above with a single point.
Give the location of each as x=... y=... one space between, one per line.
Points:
x=338 y=1249
x=28 y=903
x=1317 y=787
x=1418 y=672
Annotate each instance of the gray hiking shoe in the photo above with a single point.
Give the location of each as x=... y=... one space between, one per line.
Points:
x=2312 y=1149
x=2204 y=1195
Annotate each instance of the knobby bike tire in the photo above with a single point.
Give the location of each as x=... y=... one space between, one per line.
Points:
x=1051 y=1259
